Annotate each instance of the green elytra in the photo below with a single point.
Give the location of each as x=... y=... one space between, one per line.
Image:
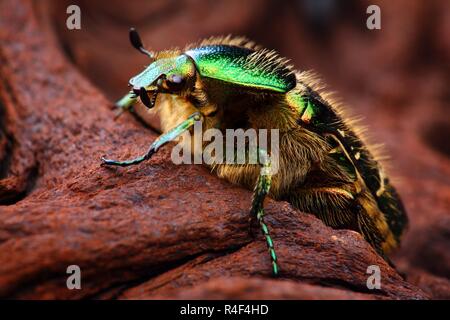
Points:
x=238 y=66
x=231 y=64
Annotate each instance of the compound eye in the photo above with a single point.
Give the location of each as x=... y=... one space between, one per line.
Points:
x=176 y=79
x=175 y=82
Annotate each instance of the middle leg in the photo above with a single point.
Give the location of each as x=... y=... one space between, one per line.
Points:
x=261 y=190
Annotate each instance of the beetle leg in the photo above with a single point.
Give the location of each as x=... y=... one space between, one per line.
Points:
x=125 y=104
x=160 y=141
x=261 y=190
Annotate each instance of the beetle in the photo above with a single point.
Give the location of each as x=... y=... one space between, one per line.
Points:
x=325 y=167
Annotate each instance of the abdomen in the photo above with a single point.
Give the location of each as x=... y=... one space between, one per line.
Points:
x=374 y=207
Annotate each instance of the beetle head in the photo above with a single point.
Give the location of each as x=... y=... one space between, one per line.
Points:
x=173 y=75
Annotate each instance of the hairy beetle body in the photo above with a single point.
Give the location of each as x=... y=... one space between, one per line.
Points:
x=325 y=168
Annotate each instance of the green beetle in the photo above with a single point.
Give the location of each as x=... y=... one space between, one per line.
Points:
x=325 y=168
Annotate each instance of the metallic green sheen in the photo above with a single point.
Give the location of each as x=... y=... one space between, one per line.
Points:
x=181 y=65
x=296 y=101
x=228 y=63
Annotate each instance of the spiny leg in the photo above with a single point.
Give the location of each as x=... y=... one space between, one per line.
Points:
x=161 y=140
x=261 y=190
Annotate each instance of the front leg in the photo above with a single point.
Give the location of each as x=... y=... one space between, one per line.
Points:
x=125 y=104
x=261 y=190
x=160 y=141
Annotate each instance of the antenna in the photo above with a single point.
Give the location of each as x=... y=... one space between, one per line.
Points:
x=136 y=42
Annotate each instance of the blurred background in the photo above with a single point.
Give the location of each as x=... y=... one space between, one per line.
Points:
x=397 y=78
x=326 y=35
